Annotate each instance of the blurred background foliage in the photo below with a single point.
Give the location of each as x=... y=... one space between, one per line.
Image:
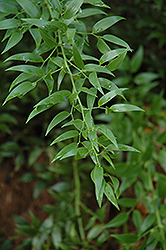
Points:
x=142 y=176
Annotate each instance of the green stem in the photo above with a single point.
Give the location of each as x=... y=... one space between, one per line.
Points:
x=77 y=200
x=159 y=222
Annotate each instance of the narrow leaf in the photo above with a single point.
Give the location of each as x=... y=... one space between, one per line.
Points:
x=126 y=238
x=110 y=55
x=136 y=60
x=97 y=178
x=57 y=119
x=110 y=195
x=105 y=23
x=95 y=82
x=49 y=40
x=56 y=5
x=27 y=57
x=67 y=151
x=95 y=231
x=77 y=57
x=88 y=91
x=29 y=8
x=90 y=12
x=72 y=8
x=124 y=108
x=102 y=46
x=97 y=3
x=118 y=221
x=109 y=96
x=28 y=69
x=8 y=8
x=36 y=36
x=20 y=78
x=13 y=40
x=113 y=65
x=116 y=40
x=90 y=98
x=67 y=135
x=9 y=24
x=107 y=132
x=60 y=78
x=49 y=80
x=20 y=91
x=38 y=110
x=91 y=67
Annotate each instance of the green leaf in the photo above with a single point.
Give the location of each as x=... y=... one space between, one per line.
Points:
x=137 y=219
x=107 y=132
x=97 y=178
x=91 y=67
x=20 y=78
x=72 y=8
x=110 y=195
x=36 y=36
x=95 y=231
x=14 y=39
x=60 y=78
x=57 y=119
x=105 y=23
x=58 y=61
x=59 y=96
x=113 y=65
x=145 y=77
x=9 y=24
x=20 y=91
x=89 y=120
x=124 y=108
x=109 y=96
x=136 y=60
x=107 y=158
x=77 y=57
x=123 y=147
x=147 y=223
x=28 y=69
x=94 y=139
x=27 y=57
x=102 y=46
x=87 y=57
x=97 y=3
x=126 y=238
x=110 y=55
x=29 y=8
x=37 y=22
x=49 y=40
x=65 y=136
x=88 y=91
x=127 y=202
x=91 y=98
x=90 y=12
x=56 y=5
x=56 y=235
x=67 y=151
x=116 y=40
x=8 y=8
x=118 y=221
x=95 y=81
x=38 y=110
x=49 y=80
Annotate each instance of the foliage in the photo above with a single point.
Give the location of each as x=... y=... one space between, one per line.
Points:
x=81 y=92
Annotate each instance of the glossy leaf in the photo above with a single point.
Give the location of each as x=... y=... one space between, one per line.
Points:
x=41 y=23
x=110 y=55
x=110 y=195
x=77 y=57
x=118 y=221
x=116 y=40
x=124 y=108
x=126 y=238
x=147 y=223
x=113 y=65
x=95 y=231
x=57 y=119
x=91 y=67
x=59 y=96
x=95 y=82
x=56 y=5
x=97 y=178
x=102 y=46
x=20 y=78
x=72 y=8
x=105 y=23
x=49 y=80
x=88 y=91
x=108 y=159
x=20 y=90
x=60 y=78
x=88 y=57
x=49 y=40
x=109 y=96
x=97 y=3
x=14 y=39
x=108 y=133
x=67 y=151
x=9 y=24
x=36 y=36
x=90 y=12
x=27 y=57
x=90 y=98
x=38 y=110
x=8 y=8
x=30 y=69
x=65 y=136
x=29 y=8
x=123 y=147
x=94 y=139
x=89 y=120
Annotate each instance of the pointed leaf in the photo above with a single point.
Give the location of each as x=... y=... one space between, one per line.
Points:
x=57 y=119
x=38 y=110
x=102 y=46
x=28 y=69
x=126 y=238
x=107 y=132
x=37 y=22
x=97 y=3
x=49 y=40
x=9 y=24
x=110 y=195
x=116 y=40
x=27 y=57
x=56 y=5
x=118 y=221
x=65 y=136
x=95 y=81
x=123 y=147
x=94 y=139
x=88 y=91
x=29 y=8
x=60 y=78
x=59 y=96
x=20 y=90
x=91 y=67
x=109 y=96
x=8 y=8
x=124 y=108
x=90 y=98
x=89 y=120
x=110 y=55
x=13 y=40
x=77 y=57
x=36 y=36
x=105 y=23
x=107 y=158
x=95 y=231
x=49 y=80
x=113 y=65
x=136 y=60
x=67 y=151
x=72 y=8
x=20 y=78
x=90 y=12
x=97 y=178
x=148 y=222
